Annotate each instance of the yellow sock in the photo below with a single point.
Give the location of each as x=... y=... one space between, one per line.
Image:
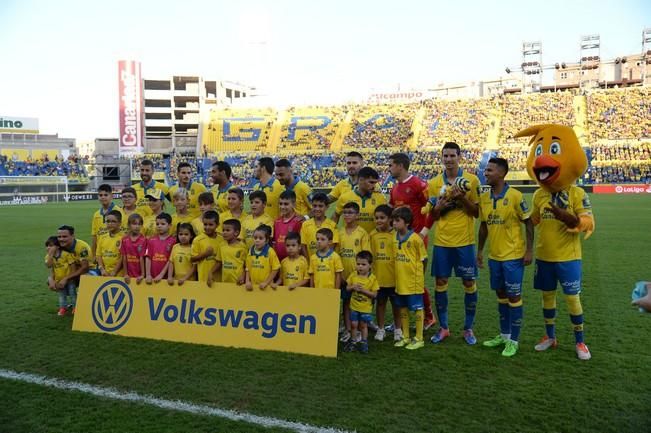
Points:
x=420 y=314
x=404 y=316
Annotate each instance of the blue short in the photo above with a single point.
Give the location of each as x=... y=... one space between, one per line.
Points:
x=345 y=294
x=462 y=259
x=356 y=316
x=548 y=274
x=386 y=293
x=507 y=275
x=411 y=302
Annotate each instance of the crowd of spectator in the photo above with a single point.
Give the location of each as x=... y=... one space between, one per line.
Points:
x=311 y=128
x=226 y=125
x=618 y=114
x=620 y=162
x=521 y=111
x=71 y=167
x=380 y=126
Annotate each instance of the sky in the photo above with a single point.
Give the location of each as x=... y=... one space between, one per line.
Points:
x=59 y=58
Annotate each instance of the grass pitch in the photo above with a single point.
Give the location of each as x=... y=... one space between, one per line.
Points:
x=451 y=387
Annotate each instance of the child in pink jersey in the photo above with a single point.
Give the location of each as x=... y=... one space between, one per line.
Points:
x=287 y=222
x=133 y=248
x=159 y=249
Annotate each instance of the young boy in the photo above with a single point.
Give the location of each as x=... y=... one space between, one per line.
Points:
x=180 y=199
x=294 y=270
x=206 y=248
x=411 y=259
x=233 y=254
x=363 y=287
x=325 y=265
x=258 y=200
x=59 y=263
x=128 y=196
x=353 y=240
x=235 y=204
x=288 y=222
x=384 y=270
x=206 y=203
x=109 y=258
x=159 y=248
x=318 y=221
x=98 y=226
x=262 y=264
x=156 y=202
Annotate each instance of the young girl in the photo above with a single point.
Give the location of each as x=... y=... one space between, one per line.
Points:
x=180 y=200
x=262 y=263
x=159 y=248
x=181 y=267
x=133 y=248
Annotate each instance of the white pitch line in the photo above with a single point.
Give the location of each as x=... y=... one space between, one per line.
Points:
x=176 y=405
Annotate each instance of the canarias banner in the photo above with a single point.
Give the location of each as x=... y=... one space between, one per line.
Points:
x=304 y=320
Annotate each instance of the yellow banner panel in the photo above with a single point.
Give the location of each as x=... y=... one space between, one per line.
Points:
x=305 y=320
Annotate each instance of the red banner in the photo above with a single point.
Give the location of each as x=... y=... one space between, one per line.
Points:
x=622 y=189
x=131 y=124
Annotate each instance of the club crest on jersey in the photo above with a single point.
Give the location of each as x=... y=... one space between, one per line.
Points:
x=356 y=242
x=381 y=245
x=238 y=254
x=506 y=202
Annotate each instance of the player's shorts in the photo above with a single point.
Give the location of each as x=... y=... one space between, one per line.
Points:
x=461 y=259
x=411 y=302
x=95 y=272
x=548 y=274
x=507 y=275
x=357 y=316
x=386 y=293
x=345 y=294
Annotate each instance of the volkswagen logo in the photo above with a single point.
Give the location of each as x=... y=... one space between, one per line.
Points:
x=112 y=305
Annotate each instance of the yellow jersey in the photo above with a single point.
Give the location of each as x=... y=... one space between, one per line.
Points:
x=228 y=215
x=194 y=189
x=553 y=242
x=149 y=226
x=410 y=254
x=454 y=228
x=108 y=248
x=142 y=203
x=98 y=227
x=367 y=205
x=197 y=225
x=303 y=194
x=260 y=264
x=272 y=189
x=384 y=260
x=199 y=245
x=180 y=258
x=359 y=301
x=62 y=264
x=80 y=251
x=341 y=187
x=308 y=234
x=177 y=219
x=324 y=269
x=503 y=215
x=294 y=270
x=250 y=223
x=221 y=197
x=233 y=258
x=352 y=243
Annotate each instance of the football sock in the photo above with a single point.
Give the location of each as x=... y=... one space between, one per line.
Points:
x=441 y=301
x=515 y=310
x=470 y=301
x=404 y=318
x=549 y=312
x=576 y=316
x=420 y=314
x=505 y=318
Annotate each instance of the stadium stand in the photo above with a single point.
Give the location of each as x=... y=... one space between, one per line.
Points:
x=465 y=122
x=72 y=167
x=380 y=126
x=618 y=114
x=519 y=111
x=310 y=128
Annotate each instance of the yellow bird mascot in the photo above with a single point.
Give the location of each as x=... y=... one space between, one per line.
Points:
x=561 y=211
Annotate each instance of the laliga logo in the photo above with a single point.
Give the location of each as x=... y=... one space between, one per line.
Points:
x=619 y=189
x=112 y=305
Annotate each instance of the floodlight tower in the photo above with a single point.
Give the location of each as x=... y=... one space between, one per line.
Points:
x=646 y=56
x=531 y=65
x=590 y=61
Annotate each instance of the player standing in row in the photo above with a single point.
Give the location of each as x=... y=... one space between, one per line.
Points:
x=145 y=186
x=366 y=197
x=411 y=191
x=454 y=195
x=502 y=211
x=285 y=176
x=184 y=174
x=354 y=163
x=220 y=173
x=268 y=184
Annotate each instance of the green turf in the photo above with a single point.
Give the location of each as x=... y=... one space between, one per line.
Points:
x=448 y=388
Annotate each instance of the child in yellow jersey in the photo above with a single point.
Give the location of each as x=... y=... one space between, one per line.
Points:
x=262 y=263
x=206 y=247
x=364 y=287
x=411 y=259
x=155 y=199
x=59 y=262
x=384 y=265
x=180 y=199
x=206 y=202
x=181 y=267
x=233 y=254
x=98 y=224
x=294 y=268
x=258 y=217
x=109 y=257
x=325 y=265
x=318 y=220
x=353 y=239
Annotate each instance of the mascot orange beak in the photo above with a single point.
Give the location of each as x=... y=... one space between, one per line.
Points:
x=546 y=169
